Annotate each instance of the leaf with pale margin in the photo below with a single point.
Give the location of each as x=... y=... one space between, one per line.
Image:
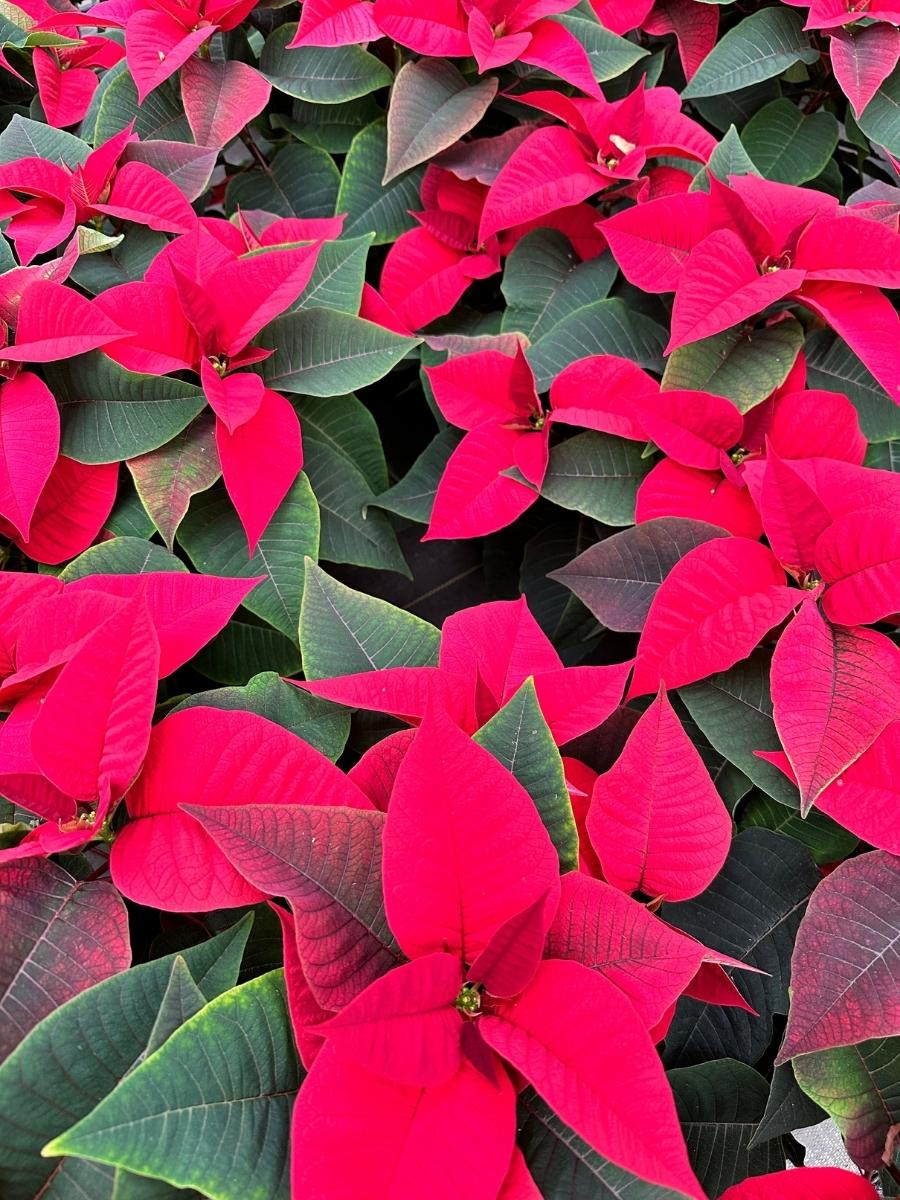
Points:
x=121 y=556
x=432 y=106
x=761 y=46
x=371 y=208
x=211 y=1108
x=519 y=738
x=343 y=631
x=325 y=726
x=69 y=1062
x=216 y=543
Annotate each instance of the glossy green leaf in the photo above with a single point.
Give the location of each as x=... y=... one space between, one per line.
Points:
x=75 y=1057
x=300 y=182
x=561 y=614
x=182 y=1000
x=544 y=282
x=600 y=327
x=827 y=841
x=320 y=74
x=519 y=738
x=339 y=275
x=346 y=425
x=243 y=650
x=719 y=1105
x=343 y=631
x=743 y=363
x=787 y=145
x=609 y=54
x=351 y=531
x=734 y=710
x=211 y=1108
x=880 y=120
x=413 y=495
x=345 y=464
x=323 y=725
x=564 y=1166
x=330 y=127
x=321 y=352
x=831 y=364
x=729 y=158
x=760 y=47
x=124 y=263
x=216 y=543
x=751 y=911
x=884 y=456
x=160 y=117
x=734 y=109
x=370 y=207
x=787 y=1109
x=109 y=414
x=128 y=517
x=596 y=474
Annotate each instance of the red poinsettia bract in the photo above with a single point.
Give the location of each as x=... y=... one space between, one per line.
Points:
x=731 y=253
x=600 y=143
x=80 y=663
x=419 y=1065
x=57 y=197
x=486 y=654
x=428 y=269
x=493 y=32
x=198 y=307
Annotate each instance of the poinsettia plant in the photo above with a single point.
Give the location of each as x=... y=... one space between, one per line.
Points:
x=449 y=607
